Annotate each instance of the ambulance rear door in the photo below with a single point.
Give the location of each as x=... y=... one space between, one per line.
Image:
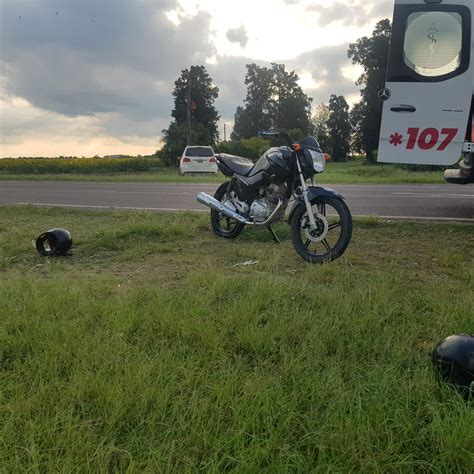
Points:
x=427 y=98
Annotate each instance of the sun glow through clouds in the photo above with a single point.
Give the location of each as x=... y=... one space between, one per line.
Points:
x=106 y=88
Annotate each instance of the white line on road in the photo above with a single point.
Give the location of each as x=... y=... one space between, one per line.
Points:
x=168 y=209
x=151 y=193
x=437 y=196
x=188 y=192
x=418 y=218
x=182 y=194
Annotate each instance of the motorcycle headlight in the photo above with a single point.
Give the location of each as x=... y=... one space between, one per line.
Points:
x=318 y=161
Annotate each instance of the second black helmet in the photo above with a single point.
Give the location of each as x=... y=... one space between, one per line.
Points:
x=453 y=359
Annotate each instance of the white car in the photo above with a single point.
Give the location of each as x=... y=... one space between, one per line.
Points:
x=198 y=159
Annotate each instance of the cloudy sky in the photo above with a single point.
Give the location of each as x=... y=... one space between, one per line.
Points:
x=86 y=77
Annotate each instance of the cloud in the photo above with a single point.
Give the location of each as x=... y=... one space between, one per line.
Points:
x=85 y=57
x=347 y=14
x=326 y=67
x=354 y=13
x=107 y=68
x=31 y=131
x=238 y=35
x=382 y=10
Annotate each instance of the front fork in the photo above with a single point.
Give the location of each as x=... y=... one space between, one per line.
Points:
x=312 y=220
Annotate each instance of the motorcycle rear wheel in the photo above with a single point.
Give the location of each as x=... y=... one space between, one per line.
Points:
x=221 y=225
x=332 y=236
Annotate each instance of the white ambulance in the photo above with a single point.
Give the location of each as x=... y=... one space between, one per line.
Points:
x=428 y=96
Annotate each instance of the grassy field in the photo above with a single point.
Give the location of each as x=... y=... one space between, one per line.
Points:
x=351 y=172
x=66 y=166
x=148 y=351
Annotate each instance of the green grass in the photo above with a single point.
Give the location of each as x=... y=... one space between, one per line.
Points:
x=358 y=172
x=147 y=351
x=353 y=172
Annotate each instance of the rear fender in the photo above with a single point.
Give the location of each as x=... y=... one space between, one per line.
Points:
x=313 y=193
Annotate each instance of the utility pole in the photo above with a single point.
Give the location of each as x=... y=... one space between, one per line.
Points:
x=188 y=112
x=225 y=134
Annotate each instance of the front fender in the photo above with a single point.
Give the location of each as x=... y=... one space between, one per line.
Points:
x=313 y=193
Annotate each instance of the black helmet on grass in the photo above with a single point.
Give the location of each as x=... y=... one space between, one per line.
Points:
x=453 y=359
x=54 y=242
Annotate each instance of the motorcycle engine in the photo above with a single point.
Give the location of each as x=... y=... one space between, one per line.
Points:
x=261 y=209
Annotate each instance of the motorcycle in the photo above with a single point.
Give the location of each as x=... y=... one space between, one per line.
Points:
x=259 y=194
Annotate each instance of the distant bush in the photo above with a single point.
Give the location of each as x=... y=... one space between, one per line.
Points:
x=77 y=165
x=251 y=148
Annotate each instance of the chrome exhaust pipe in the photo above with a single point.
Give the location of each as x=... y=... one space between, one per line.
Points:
x=213 y=203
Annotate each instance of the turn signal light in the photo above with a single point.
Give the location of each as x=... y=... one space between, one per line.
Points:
x=186 y=160
x=212 y=160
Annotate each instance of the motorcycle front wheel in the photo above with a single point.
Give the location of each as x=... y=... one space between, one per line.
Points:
x=224 y=226
x=333 y=231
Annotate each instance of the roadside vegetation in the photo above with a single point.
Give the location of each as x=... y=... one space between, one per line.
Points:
x=39 y=166
x=274 y=100
x=148 y=350
x=148 y=170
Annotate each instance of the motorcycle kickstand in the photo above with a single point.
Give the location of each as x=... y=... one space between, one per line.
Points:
x=275 y=237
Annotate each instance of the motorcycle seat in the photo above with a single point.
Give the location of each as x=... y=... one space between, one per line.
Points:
x=239 y=165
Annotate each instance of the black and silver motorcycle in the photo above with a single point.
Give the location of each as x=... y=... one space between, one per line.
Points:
x=258 y=194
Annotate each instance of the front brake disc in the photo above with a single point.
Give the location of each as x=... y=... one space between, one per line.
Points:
x=321 y=231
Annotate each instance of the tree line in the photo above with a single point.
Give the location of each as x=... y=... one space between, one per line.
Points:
x=275 y=101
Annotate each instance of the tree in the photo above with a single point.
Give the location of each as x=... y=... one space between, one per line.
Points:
x=339 y=127
x=255 y=116
x=357 y=115
x=175 y=141
x=291 y=106
x=319 y=123
x=204 y=119
x=297 y=134
x=274 y=100
x=242 y=125
x=372 y=54
x=252 y=148
x=203 y=95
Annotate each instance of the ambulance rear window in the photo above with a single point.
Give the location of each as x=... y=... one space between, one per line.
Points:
x=433 y=43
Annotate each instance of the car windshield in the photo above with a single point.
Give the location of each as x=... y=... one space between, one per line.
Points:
x=199 y=151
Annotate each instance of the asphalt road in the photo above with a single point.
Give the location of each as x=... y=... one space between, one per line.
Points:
x=440 y=202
